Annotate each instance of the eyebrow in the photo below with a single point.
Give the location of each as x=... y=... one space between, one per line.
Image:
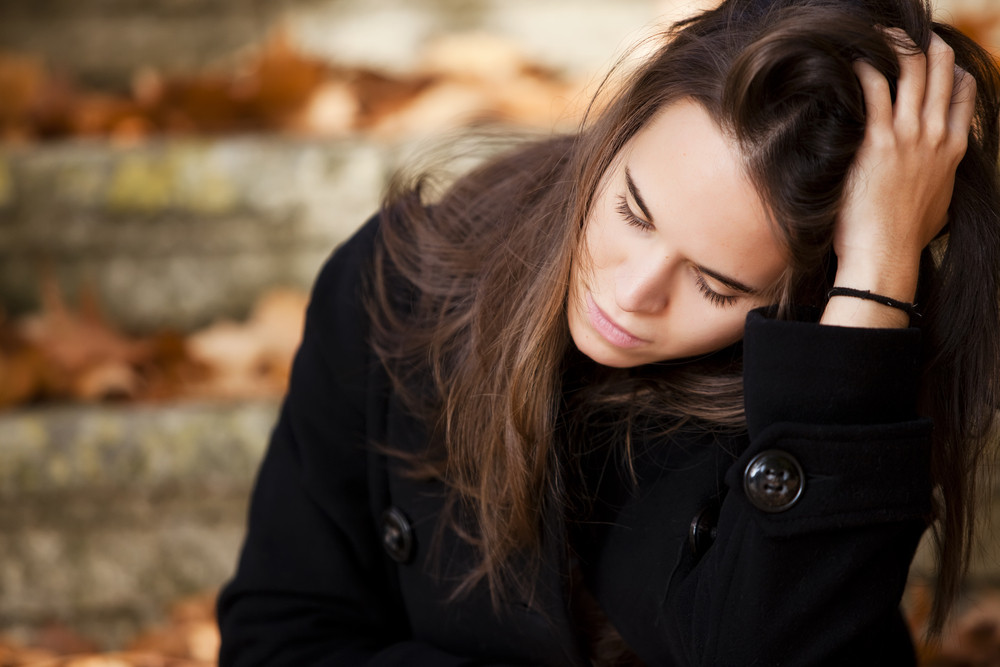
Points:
x=731 y=283
x=727 y=281
x=634 y=191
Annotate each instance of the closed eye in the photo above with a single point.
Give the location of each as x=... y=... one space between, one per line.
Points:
x=630 y=217
x=720 y=300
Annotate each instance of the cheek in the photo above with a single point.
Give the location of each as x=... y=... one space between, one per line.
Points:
x=732 y=331
x=600 y=256
x=596 y=243
x=714 y=328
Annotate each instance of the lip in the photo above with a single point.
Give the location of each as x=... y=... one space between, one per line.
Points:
x=607 y=327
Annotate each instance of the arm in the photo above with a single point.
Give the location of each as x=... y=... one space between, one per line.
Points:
x=312 y=586
x=820 y=582
x=901 y=183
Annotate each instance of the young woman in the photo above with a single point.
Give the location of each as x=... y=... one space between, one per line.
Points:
x=660 y=392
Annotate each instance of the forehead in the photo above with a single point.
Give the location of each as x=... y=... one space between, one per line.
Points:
x=691 y=177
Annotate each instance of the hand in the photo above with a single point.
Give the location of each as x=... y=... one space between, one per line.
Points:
x=900 y=185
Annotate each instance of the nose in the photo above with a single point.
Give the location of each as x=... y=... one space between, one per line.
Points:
x=643 y=286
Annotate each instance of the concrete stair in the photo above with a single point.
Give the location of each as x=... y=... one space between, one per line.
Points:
x=107 y=512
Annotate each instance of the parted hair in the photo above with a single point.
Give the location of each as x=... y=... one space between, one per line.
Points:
x=469 y=293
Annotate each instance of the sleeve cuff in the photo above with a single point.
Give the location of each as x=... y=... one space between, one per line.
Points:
x=851 y=476
x=808 y=373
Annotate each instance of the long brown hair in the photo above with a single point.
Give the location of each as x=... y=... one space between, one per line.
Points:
x=469 y=302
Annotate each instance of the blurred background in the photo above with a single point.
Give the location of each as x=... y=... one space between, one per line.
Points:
x=172 y=175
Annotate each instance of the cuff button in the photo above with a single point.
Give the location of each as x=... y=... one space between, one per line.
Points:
x=773 y=481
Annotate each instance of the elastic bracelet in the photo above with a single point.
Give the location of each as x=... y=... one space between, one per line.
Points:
x=908 y=308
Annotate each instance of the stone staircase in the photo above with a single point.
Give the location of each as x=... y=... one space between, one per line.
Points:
x=108 y=512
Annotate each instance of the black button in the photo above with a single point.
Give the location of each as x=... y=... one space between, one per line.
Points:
x=773 y=481
x=704 y=528
x=397 y=536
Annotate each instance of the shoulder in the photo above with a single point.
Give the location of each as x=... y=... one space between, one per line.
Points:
x=335 y=351
x=337 y=305
x=347 y=268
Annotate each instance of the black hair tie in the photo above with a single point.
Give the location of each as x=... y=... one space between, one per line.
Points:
x=908 y=308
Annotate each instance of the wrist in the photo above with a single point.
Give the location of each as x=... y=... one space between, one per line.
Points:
x=894 y=277
x=848 y=311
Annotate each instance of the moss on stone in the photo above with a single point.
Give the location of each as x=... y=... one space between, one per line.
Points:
x=141 y=183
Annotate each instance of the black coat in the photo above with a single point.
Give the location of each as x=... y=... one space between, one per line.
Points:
x=690 y=566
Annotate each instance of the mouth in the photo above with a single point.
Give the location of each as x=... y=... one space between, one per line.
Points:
x=607 y=327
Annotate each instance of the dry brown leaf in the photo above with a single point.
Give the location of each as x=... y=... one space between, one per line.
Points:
x=97 y=661
x=380 y=96
x=191 y=634
x=15 y=654
x=106 y=380
x=252 y=359
x=280 y=82
x=197 y=641
x=332 y=111
x=440 y=106
x=194 y=608
x=74 y=341
x=169 y=372
x=190 y=638
x=973 y=638
x=63 y=640
x=279 y=88
x=148 y=87
x=200 y=104
x=477 y=56
x=279 y=317
x=130 y=130
x=538 y=102
x=22 y=372
x=79 y=355
x=112 y=659
x=96 y=114
x=54 y=108
x=22 y=79
x=970 y=638
x=230 y=351
x=203 y=641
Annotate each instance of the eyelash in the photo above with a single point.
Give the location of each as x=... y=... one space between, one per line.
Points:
x=719 y=300
x=630 y=217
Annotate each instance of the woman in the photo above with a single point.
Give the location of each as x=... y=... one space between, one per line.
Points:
x=656 y=392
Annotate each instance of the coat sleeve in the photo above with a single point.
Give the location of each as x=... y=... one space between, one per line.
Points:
x=312 y=586
x=819 y=582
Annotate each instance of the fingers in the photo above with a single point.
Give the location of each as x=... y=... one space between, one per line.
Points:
x=940 y=86
x=878 y=101
x=935 y=99
x=913 y=76
x=963 y=105
x=903 y=176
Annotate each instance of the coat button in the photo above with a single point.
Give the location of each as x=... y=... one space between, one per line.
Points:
x=397 y=536
x=703 y=530
x=773 y=481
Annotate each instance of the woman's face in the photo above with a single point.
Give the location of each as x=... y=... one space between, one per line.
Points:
x=677 y=250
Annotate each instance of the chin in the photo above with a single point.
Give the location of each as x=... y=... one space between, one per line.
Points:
x=606 y=355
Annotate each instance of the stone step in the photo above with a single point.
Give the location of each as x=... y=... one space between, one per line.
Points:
x=105 y=41
x=108 y=514
x=177 y=233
